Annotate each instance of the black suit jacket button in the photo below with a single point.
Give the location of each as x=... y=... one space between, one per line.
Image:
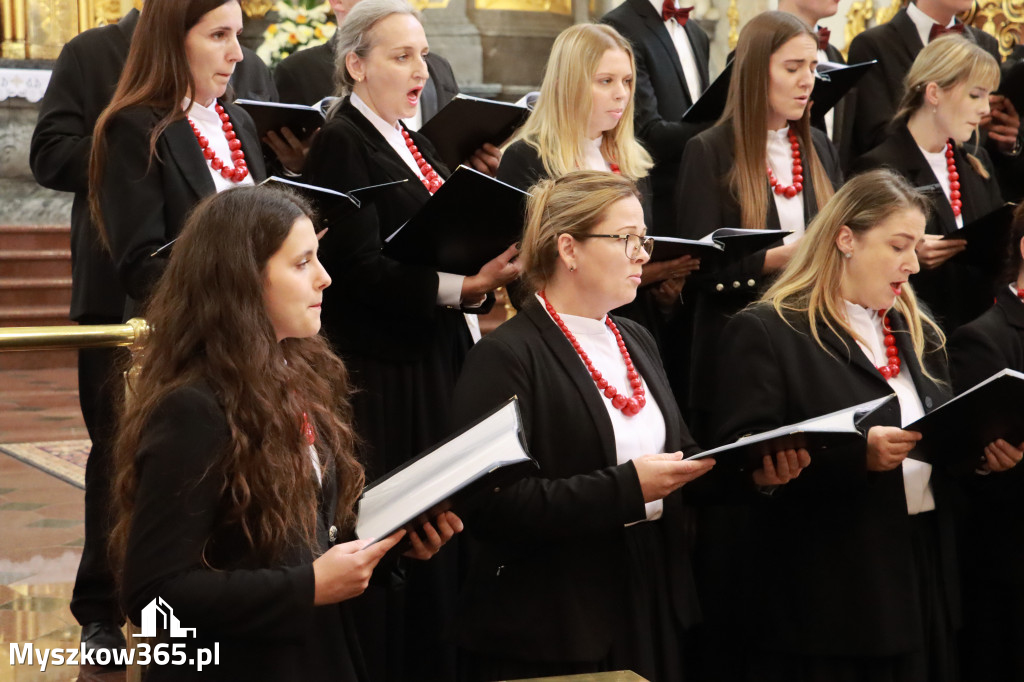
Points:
x=928 y=402
x=719 y=287
x=736 y=285
x=332 y=534
x=751 y=282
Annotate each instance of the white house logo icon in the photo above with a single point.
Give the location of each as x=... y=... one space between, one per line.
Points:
x=158 y=608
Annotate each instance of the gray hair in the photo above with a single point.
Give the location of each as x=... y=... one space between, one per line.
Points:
x=355 y=35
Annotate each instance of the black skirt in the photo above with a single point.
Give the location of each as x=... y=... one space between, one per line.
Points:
x=402 y=407
x=648 y=636
x=935 y=662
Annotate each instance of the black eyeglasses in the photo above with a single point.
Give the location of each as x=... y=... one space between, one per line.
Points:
x=634 y=243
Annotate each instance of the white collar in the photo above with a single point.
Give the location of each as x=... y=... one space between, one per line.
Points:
x=386 y=129
x=922 y=22
x=199 y=111
x=578 y=325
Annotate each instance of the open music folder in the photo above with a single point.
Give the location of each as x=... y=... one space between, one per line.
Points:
x=464 y=124
x=724 y=245
x=332 y=206
x=711 y=104
x=485 y=456
x=471 y=219
x=831 y=83
x=957 y=432
x=819 y=435
x=301 y=119
x=987 y=237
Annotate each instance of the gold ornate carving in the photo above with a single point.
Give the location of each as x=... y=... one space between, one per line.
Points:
x=421 y=5
x=1002 y=18
x=13 y=15
x=885 y=14
x=51 y=23
x=256 y=9
x=857 y=18
x=550 y=6
x=733 y=14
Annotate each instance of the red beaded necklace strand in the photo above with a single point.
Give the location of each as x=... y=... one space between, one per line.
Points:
x=954 y=180
x=614 y=168
x=789 y=191
x=307 y=430
x=431 y=180
x=240 y=170
x=891 y=370
x=1020 y=293
x=628 y=406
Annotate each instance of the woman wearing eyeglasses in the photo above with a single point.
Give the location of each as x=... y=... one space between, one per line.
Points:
x=585 y=566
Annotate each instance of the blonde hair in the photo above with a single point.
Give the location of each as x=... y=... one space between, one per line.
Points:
x=555 y=128
x=948 y=61
x=570 y=204
x=811 y=283
x=747 y=109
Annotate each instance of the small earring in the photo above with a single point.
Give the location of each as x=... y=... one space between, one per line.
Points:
x=572 y=268
x=848 y=254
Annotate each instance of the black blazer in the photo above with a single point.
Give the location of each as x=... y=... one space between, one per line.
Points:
x=183 y=550
x=661 y=96
x=307 y=76
x=956 y=291
x=145 y=203
x=376 y=306
x=704 y=204
x=992 y=342
x=83 y=81
x=546 y=580
x=831 y=558
x=895 y=45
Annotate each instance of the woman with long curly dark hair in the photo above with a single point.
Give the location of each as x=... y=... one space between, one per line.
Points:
x=235 y=453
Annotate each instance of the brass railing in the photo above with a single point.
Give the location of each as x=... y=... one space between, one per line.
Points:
x=132 y=334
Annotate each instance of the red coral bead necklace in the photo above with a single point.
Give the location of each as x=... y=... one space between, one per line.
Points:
x=240 y=170
x=954 y=180
x=628 y=406
x=789 y=191
x=431 y=180
x=891 y=369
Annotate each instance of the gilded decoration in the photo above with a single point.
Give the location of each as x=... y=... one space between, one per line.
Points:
x=550 y=6
x=1002 y=18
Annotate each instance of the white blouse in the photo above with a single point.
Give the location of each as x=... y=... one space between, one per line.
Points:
x=593 y=159
x=207 y=120
x=642 y=434
x=780 y=158
x=916 y=474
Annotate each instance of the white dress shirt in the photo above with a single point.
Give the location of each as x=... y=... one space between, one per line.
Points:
x=780 y=158
x=923 y=23
x=937 y=162
x=449 y=286
x=641 y=434
x=685 y=51
x=916 y=474
x=207 y=120
x=593 y=159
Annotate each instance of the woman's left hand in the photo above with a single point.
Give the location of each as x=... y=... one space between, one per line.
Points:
x=290 y=150
x=678 y=268
x=1001 y=456
x=429 y=540
x=497 y=272
x=1003 y=124
x=486 y=159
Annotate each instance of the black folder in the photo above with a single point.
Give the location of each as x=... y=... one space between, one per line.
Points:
x=832 y=82
x=722 y=246
x=302 y=120
x=471 y=219
x=333 y=207
x=711 y=104
x=957 y=432
x=481 y=458
x=818 y=435
x=466 y=123
x=987 y=237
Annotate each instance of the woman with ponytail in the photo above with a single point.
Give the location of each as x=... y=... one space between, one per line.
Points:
x=946 y=98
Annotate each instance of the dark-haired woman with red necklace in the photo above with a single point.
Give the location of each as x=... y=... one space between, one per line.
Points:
x=168 y=139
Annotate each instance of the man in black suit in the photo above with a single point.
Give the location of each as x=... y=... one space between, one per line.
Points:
x=82 y=84
x=671 y=73
x=895 y=45
x=307 y=76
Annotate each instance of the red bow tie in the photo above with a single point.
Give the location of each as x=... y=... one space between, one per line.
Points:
x=823 y=35
x=937 y=30
x=670 y=11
